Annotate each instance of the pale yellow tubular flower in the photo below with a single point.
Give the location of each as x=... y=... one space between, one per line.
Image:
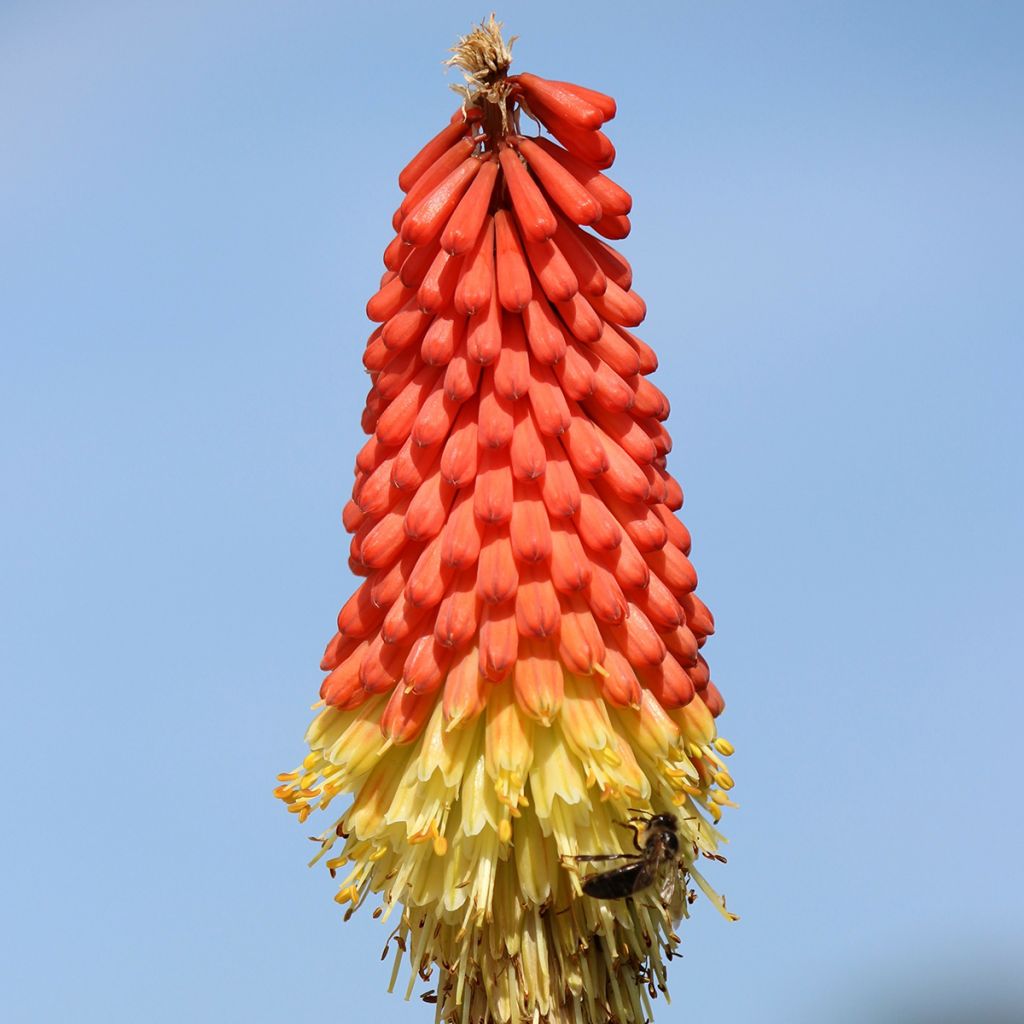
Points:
x=470 y=832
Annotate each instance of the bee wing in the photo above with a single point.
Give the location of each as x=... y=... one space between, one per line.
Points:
x=673 y=892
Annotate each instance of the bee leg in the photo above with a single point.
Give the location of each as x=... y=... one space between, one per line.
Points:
x=601 y=856
x=631 y=825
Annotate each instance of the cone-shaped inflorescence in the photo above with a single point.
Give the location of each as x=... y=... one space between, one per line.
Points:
x=520 y=670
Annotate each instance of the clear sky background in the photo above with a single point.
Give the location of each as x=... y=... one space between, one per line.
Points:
x=829 y=234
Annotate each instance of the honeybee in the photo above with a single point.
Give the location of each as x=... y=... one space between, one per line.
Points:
x=656 y=838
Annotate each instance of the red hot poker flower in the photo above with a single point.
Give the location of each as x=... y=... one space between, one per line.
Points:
x=520 y=671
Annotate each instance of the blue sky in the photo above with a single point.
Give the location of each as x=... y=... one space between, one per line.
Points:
x=828 y=232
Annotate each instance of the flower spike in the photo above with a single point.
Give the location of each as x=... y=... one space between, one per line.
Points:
x=518 y=721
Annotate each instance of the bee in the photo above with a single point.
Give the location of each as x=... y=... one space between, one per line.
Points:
x=656 y=838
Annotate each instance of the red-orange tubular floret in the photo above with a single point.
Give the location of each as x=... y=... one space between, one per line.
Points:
x=512 y=506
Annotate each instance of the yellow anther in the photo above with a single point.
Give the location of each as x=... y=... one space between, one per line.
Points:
x=440 y=846
x=724 y=747
x=308 y=779
x=337 y=862
x=381 y=852
x=724 y=779
x=305 y=813
x=726 y=913
x=287 y=776
x=716 y=812
x=350 y=894
x=311 y=760
x=504 y=830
